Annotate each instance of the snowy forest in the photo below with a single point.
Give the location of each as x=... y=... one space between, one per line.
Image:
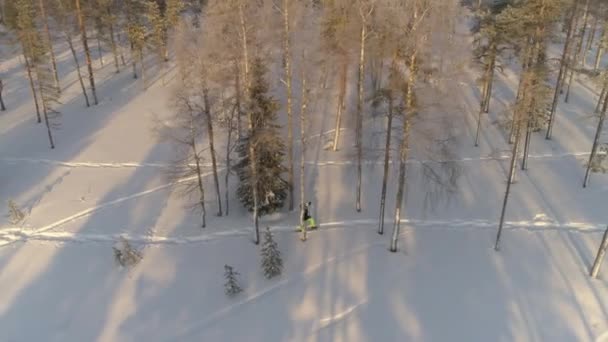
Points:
x=401 y=116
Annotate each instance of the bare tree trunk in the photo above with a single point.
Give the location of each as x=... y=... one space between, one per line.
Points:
x=200 y=186
x=359 y=119
x=601 y=252
x=212 y=150
x=134 y=61
x=28 y=67
x=387 y=156
x=237 y=92
x=87 y=52
x=341 y=107
x=50 y=39
x=493 y=51
x=120 y=49
x=524 y=161
x=577 y=52
x=596 y=142
x=569 y=60
x=142 y=66
x=99 y=52
x=601 y=99
x=404 y=151
x=562 y=69
x=228 y=161
x=600 y=47
x=68 y=37
x=486 y=89
x=590 y=39
x=113 y=43
x=509 y=183
x=2 y=106
x=287 y=58
x=252 y=154
x=303 y=107
x=46 y=116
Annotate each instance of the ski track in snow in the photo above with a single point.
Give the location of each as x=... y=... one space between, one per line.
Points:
x=12 y=234
x=119 y=165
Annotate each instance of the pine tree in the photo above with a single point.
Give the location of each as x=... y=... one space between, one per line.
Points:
x=272 y=264
x=231 y=286
x=269 y=150
x=136 y=33
x=85 y=43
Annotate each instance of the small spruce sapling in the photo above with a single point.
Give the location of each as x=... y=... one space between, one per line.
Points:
x=272 y=264
x=231 y=286
x=15 y=214
x=125 y=254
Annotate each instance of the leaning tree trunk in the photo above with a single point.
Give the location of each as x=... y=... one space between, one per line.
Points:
x=113 y=44
x=359 y=119
x=486 y=89
x=199 y=176
x=341 y=103
x=601 y=252
x=590 y=39
x=600 y=47
x=303 y=107
x=45 y=114
x=287 y=57
x=99 y=52
x=509 y=183
x=28 y=67
x=403 y=152
x=579 y=48
x=228 y=161
x=237 y=96
x=87 y=52
x=601 y=99
x=562 y=69
x=68 y=37
x=252 y=154
x=524 y=160
x=596 y=142
x=212 y=150
x=574 y=60
x=2 y=106
x=387 y=148
x=493 y=53
x=134 y=61
x=50 y=39
x=142 y=66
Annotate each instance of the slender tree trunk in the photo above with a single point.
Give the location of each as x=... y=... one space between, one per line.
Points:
x=569 y=60
x=99 y=52
x=601 y=252
x=113 y=43
x=596 y=142
x=142 y=66
x=212 y=150
x=404 y=151
x=494 y=51
x=577 y=52
x=590 y=39
x=120 y=49
x=485 y=94
x=200 y=186
x=601 y=99
x=71 y=45
x=341 y=103
x=562 y=69
x=228 y=161
x=287 y=57
x=303 y=107
x=509 y=183
x=134 y=61
x=50 y=39
x=387 y=156
x=524 y=161
x=28 y=68
x=252 y=154
x=46 y=116
x=237 y=94
x=87 y=52
x=2 y=106
x=600 y=47
x=359 y=119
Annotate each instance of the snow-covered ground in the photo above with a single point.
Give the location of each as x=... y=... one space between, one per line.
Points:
x=107 y=178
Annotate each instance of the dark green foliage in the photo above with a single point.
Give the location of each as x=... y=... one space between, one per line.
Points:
x=269 y=149
x=272 y=264
x=231 y=286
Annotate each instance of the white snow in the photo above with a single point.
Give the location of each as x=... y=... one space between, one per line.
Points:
x=107 y=179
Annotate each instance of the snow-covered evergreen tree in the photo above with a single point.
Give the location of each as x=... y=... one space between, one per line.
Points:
x=268 y=146
x=272 y=264
x=231 y=286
